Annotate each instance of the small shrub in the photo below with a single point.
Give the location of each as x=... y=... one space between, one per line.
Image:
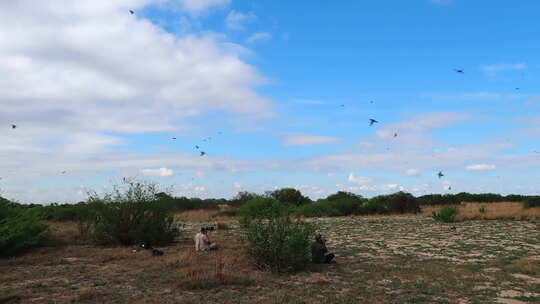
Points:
x=129 y=217
x=482 y=209
x=531 y=202
x=20 y=229
x=222 y=226
x=280 y=244
x=446 y=215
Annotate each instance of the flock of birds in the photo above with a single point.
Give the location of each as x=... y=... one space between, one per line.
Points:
x=372 y=121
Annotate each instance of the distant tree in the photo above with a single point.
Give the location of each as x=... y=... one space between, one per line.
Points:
x=290 y=195
x=243 y=197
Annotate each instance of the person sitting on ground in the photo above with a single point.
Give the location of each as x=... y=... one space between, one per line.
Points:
x=206 y=244
x=199 y=239
x=319 y=252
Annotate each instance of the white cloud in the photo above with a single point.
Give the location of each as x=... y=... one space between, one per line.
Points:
x=259 y=36
x=235 y=20
x=162 y=172
x=412 y=172
x=360 y=180
x=296 y=139
x=501 y=67
x=480 y=167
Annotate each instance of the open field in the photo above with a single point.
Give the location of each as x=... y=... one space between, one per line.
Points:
x=407 y=259
x=490 y=211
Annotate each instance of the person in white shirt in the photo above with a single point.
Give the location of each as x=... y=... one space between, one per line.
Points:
x=199 y=240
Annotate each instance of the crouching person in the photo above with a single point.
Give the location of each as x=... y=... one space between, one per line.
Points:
x=319 y=252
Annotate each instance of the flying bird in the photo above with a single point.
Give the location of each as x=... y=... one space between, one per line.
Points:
x=371 y=101
x=440 y=174
x=395 y=134
x=343 y=106
x=459 y=71
x=174 y=138
x=372 y=121
x=203 y=153
x=63 y=172
x=13 y=126
x=197 y=147
x=517 y=88
x=131 y=12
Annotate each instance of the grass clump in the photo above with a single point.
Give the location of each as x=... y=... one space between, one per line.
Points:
x=128 y=217
x=20 y=229
x=280 y=244
x=446 y=214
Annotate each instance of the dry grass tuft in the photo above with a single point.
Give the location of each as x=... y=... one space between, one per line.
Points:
x=222 y=226
x=196 y=215
x=229 y=265
x=490 y=211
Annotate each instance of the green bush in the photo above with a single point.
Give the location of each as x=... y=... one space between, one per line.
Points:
x=133 y=216
x=262 y=208
x=289 y=196
x=375 y=205
x=446 y=215
x=280 y=244
x=20 y=229
x=317 y=209
x=482 y=209
x=56 y=212
x=531 y=202
x=226 y=212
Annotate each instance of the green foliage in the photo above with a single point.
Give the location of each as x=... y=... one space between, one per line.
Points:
x=262 y=208
x=64 y=212
x=290 y=196
x=531 y=202
x=482 y=209
x=446 y=214
x=317 y=209
x=128 y=217
x=20 y=229
x=243 y=197
x=280 y=244
x=375 y=205
x=399 y=202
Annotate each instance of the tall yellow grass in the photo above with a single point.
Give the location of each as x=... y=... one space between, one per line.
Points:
x=492 y=211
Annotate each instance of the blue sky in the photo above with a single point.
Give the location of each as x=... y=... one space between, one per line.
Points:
x=282 y=93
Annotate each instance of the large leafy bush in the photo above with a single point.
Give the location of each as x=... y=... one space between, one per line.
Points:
x=280 y=244
x=20 y=229
x=128 y=217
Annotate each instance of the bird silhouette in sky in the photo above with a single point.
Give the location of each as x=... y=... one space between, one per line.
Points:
x=63 y=172
x=197 y=147
x=203 y=153
x=174 y=138
x=517 y=88
x=131 y=12
x=440 y=174
x=372 y=122
x=459 y=71
x=13 y=126
x=395 y=135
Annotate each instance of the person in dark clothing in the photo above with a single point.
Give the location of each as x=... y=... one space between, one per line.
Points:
x=319 y=252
